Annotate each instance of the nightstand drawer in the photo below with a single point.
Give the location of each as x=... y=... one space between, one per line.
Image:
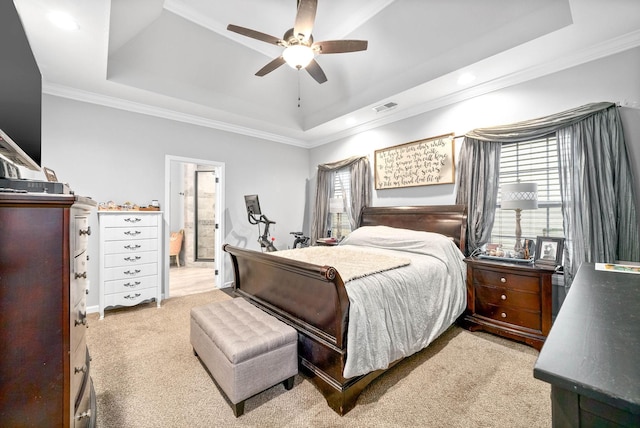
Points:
x=507 y=297
x=507 y=280
x=520 y=317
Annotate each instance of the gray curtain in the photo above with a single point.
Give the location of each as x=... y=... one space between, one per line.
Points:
x=477 y=179
x=360 y=186
x=595 y=176
x=597 y=193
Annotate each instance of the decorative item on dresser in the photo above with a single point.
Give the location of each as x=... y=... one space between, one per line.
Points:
x=509 y=299
x=130 y=258
x=45 y=365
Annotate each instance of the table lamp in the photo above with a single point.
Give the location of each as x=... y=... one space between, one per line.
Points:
x=336 y=206
x=518 y=197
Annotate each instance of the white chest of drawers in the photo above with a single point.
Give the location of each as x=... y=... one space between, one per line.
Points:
x=130 y=258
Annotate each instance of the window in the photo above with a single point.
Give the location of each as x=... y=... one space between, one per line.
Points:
x=339 y=222
x=533 y=162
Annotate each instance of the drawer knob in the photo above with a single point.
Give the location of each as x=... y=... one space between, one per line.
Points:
x=132 y=247
x=129 y=296
x=503 y=279
x=132 y=232
x=83 y=321
x=132 y=220
x=81 y=275
x=86 y=231
x=132 y=259
x=503 y=297
x=503 y=314
x=82 y=369
x=135 y=272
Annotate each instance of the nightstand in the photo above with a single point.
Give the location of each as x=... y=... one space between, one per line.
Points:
x=509 y=299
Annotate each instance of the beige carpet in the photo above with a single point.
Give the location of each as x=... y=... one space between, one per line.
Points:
x=145 y=375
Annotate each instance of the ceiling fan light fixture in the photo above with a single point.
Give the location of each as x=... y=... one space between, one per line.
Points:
x=298 y=56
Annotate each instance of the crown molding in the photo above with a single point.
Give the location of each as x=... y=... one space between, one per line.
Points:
x=604 y=49
x=599 y=51
x=146 y=109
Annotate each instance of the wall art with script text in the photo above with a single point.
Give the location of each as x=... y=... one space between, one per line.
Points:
x=419 y=163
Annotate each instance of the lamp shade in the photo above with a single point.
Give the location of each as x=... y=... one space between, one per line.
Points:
x=519 y=196
x=298 y=56
x=336 y=205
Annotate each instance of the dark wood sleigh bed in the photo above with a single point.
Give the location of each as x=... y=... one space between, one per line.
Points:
x=314 y=301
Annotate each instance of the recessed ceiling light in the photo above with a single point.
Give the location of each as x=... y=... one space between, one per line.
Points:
x=63 y=20
x=466 y=78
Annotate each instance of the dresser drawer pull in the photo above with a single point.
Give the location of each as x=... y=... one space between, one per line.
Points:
x=135 y=272
x=132 y=259
x=503 y=280
x=86 y=231
x=129 y=296
x=135 y=284
x=83 y=415
x=503 y=314
x=82 y=369
x=132 y=232
x=81 y=275
x=82 y=321
x=503 y=297
x=132 y=220
x=132 y=247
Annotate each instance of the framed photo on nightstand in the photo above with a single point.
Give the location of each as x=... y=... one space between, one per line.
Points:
x=549 y=251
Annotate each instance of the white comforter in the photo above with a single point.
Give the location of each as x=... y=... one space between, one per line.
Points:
x=396 y=313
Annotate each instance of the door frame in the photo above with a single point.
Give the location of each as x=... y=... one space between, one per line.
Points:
x=219 y=171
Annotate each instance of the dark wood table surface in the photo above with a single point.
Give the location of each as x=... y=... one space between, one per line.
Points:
x=593 y=348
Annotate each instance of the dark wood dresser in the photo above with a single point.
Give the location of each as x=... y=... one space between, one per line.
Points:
x=44 y=363
x=592 y=355
x=509 y=299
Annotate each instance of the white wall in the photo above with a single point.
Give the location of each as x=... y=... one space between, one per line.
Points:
x=109 y=154
x=614 y=79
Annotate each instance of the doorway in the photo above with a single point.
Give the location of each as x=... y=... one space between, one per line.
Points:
x=194 y=205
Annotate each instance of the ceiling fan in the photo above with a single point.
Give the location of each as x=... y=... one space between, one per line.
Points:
x=300 y=49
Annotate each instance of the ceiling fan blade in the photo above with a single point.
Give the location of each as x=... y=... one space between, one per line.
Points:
x=271 y=66
x=341 y=46
x=254 y=34
x=316 y=72
x=305 y=18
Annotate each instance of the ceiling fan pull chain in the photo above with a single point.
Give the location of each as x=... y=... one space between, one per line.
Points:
x=298 y=87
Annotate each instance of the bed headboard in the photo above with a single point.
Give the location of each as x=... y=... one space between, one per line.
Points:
x=448 y=220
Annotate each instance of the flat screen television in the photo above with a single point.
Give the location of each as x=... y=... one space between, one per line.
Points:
x=20 y=92
x=253 y=204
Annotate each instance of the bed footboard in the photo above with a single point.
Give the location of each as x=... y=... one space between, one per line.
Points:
x=313 y=300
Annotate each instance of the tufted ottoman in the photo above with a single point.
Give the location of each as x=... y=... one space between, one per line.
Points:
x=245 y=350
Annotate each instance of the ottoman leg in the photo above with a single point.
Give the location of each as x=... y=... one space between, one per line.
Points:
x=288 y=383
x=238 y=408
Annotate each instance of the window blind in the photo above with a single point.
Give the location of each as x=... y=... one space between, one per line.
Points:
x=533 y=161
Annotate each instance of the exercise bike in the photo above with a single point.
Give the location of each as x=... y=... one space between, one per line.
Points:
x=300 y=239
x=253 y=210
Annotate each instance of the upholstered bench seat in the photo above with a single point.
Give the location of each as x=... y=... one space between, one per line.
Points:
x=245 y=349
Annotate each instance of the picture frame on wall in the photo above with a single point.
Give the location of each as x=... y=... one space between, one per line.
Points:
x=419 y=163
x=549 y=251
